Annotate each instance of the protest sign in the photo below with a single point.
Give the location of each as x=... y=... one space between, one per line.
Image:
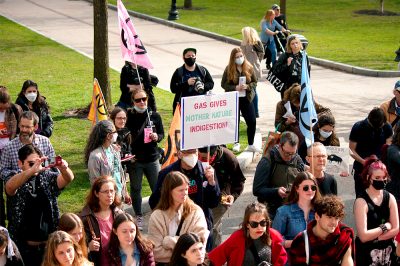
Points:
x=209 y=120
x=338 y=161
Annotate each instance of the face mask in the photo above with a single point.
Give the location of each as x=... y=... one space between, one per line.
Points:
x=239 y=61
x=190 y=160
x=139 y=110
x=114 y=137
x=325 y=134
x=31 y=96
x=378 y=184
x=190 y=61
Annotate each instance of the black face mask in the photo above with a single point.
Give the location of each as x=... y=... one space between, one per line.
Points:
x=190 y=61
x=378 y=184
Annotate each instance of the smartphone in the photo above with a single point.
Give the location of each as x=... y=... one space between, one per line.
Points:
x=52 y=161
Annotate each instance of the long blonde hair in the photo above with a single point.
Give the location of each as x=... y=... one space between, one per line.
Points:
x=250 y=36
x=247 y=68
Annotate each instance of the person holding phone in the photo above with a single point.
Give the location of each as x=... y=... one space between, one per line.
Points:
x=147 y=131
x=32 y=193
x=239 y=76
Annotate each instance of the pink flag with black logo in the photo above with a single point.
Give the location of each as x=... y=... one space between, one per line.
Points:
x=132 y=47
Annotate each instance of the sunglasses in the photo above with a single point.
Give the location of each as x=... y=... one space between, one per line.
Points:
x=307 y=187
x=31 y=164
x=253 y=224
x=138 y=100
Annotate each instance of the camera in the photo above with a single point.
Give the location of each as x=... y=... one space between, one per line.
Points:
x=52 y=162
x=199 y=86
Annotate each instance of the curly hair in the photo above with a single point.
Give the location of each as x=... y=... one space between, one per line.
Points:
x=247 y=68
x=97 y=137
x=329 y=205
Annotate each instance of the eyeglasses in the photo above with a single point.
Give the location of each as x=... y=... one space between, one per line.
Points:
x=138 y=100
x=287 y=154
x=120 y=118
x=253 y=224
x=110 y=191
x=307 y=187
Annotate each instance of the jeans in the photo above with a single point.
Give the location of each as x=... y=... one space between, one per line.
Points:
x=249 y=115
x=272 y=49
x=255 y=103
x=136 y=176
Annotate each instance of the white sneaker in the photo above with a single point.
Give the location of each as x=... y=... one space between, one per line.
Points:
x=252 y=148
x=236 y=147
x=139 y=220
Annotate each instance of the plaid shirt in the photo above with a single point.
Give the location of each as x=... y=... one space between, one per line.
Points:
x=328 y=252
x=9 y=155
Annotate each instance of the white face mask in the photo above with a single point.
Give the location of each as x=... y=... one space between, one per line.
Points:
x=239 y=61
x=190 y=160
x=114 y=137
x=325 y=134
x=31 y=96
x=139 y=110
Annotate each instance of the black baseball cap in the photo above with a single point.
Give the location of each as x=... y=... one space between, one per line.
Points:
x=189 y=49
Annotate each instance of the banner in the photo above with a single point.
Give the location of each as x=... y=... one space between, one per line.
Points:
x=98 y=108
x=209 y=120
x=174 y=136
x=338 y=161
x=132 y=47
x=307 y=114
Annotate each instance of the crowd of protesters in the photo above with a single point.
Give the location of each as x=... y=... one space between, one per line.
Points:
x=296 y=219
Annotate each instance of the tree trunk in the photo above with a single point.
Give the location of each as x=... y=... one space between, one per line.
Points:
x=100 y=52
x=188 y=4
x=282 y=4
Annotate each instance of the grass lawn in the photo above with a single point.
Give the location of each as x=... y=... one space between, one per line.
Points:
x=65 y=77
x=334 y=31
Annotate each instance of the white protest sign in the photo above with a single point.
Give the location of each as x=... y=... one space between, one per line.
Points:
x=209 y=120
x=338 y=160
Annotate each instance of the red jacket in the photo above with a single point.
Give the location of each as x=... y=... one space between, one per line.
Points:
x=233 y=249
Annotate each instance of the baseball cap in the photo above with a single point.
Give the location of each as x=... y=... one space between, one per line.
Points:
x=189 y=49
x=275 y=6
x=397 y=85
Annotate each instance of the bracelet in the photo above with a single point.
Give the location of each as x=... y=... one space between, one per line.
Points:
x=383 y=228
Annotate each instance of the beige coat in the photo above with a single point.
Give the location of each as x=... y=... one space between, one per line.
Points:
x=254 y=54
x=195 y=222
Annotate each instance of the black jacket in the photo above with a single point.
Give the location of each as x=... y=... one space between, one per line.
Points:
x=129 y=75
x=144 y=152
x=181 y=88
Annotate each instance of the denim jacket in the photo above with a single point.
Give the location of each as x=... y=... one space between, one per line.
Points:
x=289 y=220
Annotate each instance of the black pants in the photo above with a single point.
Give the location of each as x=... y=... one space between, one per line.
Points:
x=249 y=115
x=32 y=255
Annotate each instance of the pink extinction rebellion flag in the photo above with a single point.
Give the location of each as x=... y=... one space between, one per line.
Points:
x=132 y=47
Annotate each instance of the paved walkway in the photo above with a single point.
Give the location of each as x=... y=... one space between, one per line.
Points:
x=350 y=97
